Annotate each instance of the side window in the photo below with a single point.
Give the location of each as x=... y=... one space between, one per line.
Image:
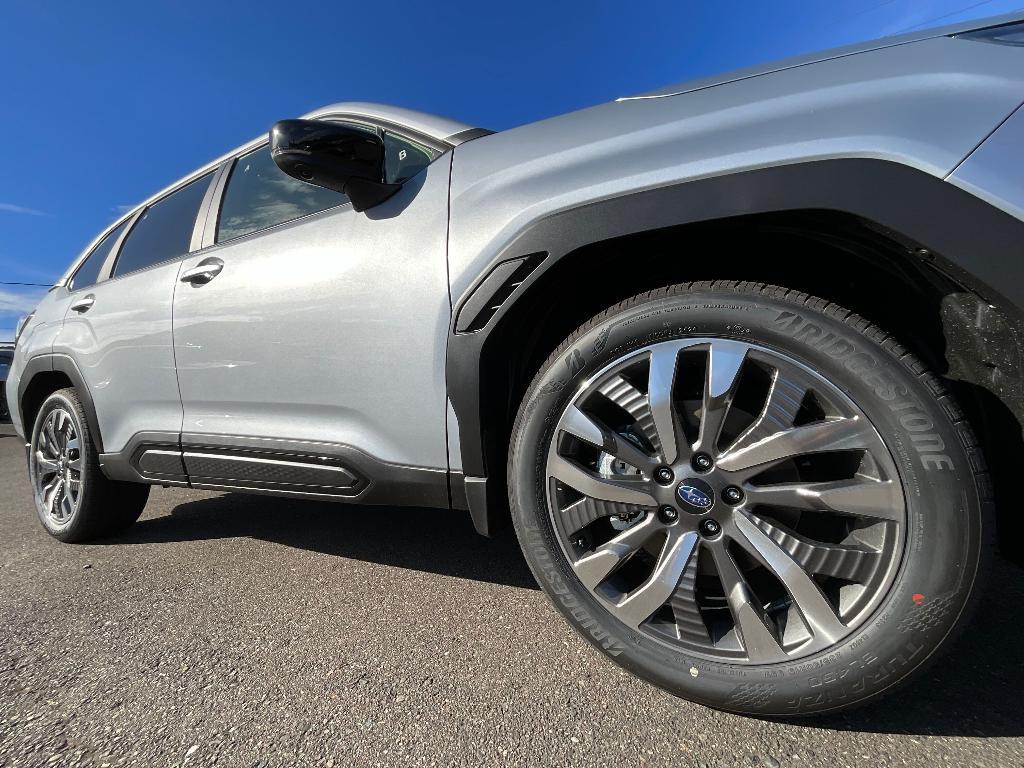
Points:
x=260 y=195
x=89 y=272
x=404 y=158
x=165 y=230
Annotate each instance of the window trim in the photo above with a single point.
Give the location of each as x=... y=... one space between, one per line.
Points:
x=203 y=215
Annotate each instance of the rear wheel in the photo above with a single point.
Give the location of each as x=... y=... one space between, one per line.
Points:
x=749 y=497
x=74 y=499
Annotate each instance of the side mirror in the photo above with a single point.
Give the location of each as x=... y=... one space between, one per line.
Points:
x=341 y=157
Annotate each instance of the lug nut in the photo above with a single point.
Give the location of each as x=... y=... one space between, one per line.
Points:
x=710 y=528
x=663 y=475
x=732 y=495
x=668 y=514
x=702 y=462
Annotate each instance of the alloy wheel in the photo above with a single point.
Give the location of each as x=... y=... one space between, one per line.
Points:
x=56 y=467
x=722 y=496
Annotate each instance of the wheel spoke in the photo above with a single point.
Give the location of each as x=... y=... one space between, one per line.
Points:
x=47 y=447
x=59 y=427
x=785 y=396
x=44 y=465
x=66 y=506
x=833 y=435
x=582 y=513
x=642 y=602
x=586 y=428
x=76 y=464
x=862 y=497
x=752 y=624
x=689 y=622
x=50 y=492
x=74 y=444
x=818 y=613
x=843 y=561
x=725 y=358
x=660 y=385
x=596 y=566
x=635 y=403
x=595 y=486
x=51 y=437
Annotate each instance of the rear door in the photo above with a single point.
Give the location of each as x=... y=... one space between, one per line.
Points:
x=118 y=325
x=312 y=358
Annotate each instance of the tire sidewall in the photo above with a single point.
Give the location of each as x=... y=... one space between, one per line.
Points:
x=941 y=550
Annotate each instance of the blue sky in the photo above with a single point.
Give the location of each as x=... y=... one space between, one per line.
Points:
x=106 y=102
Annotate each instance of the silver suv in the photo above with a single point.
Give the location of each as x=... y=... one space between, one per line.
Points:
x=740 y=359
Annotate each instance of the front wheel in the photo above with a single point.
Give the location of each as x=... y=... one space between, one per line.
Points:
x=75 y=501
x=749 y=497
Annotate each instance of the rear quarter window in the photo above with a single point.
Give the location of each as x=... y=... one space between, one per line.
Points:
x=165 y=230
x=89 y=272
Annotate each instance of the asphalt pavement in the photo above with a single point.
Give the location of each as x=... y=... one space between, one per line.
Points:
x=235 y=630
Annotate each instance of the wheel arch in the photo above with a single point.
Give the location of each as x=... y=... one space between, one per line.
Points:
x=917 y=238
x=45 y=374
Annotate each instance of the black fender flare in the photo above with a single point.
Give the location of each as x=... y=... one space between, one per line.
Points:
x=972 y=241
x=54 y=362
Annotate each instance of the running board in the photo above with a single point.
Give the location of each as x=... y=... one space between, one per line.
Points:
x=318 y=470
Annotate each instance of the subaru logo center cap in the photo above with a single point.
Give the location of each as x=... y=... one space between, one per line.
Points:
x=695 y=495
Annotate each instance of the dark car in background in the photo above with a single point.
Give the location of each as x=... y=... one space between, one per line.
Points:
x=6 y=356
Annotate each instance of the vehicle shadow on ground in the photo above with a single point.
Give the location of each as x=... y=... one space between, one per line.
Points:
x=973 y=690
x=437 y=541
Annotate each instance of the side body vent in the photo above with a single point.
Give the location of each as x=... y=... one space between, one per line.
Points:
x=500 y=283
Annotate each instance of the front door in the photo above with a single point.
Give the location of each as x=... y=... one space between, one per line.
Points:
x=310 y=343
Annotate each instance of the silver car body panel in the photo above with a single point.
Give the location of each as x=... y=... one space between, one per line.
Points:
x=688 y=86
x=926 y=105
x=995 y=172
x=125 y=353
x=36 y=339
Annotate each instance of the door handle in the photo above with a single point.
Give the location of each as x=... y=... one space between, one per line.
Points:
x=203 y=272
x=83 y=304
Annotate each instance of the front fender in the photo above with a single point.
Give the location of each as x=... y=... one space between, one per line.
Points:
x=973 y=242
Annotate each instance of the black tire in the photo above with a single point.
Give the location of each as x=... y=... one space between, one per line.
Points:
x=947 y=495
x=103 y=506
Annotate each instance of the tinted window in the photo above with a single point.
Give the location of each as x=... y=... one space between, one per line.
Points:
x=89 y=272
x=260 y=195
x=165 y=229
x=403 y=158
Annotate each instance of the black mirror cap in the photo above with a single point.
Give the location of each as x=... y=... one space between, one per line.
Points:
x=335 y=156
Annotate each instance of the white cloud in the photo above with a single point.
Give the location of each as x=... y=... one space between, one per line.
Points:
x=18 y=271
x=20 y=302
x=12 y=208
x=6 y=334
